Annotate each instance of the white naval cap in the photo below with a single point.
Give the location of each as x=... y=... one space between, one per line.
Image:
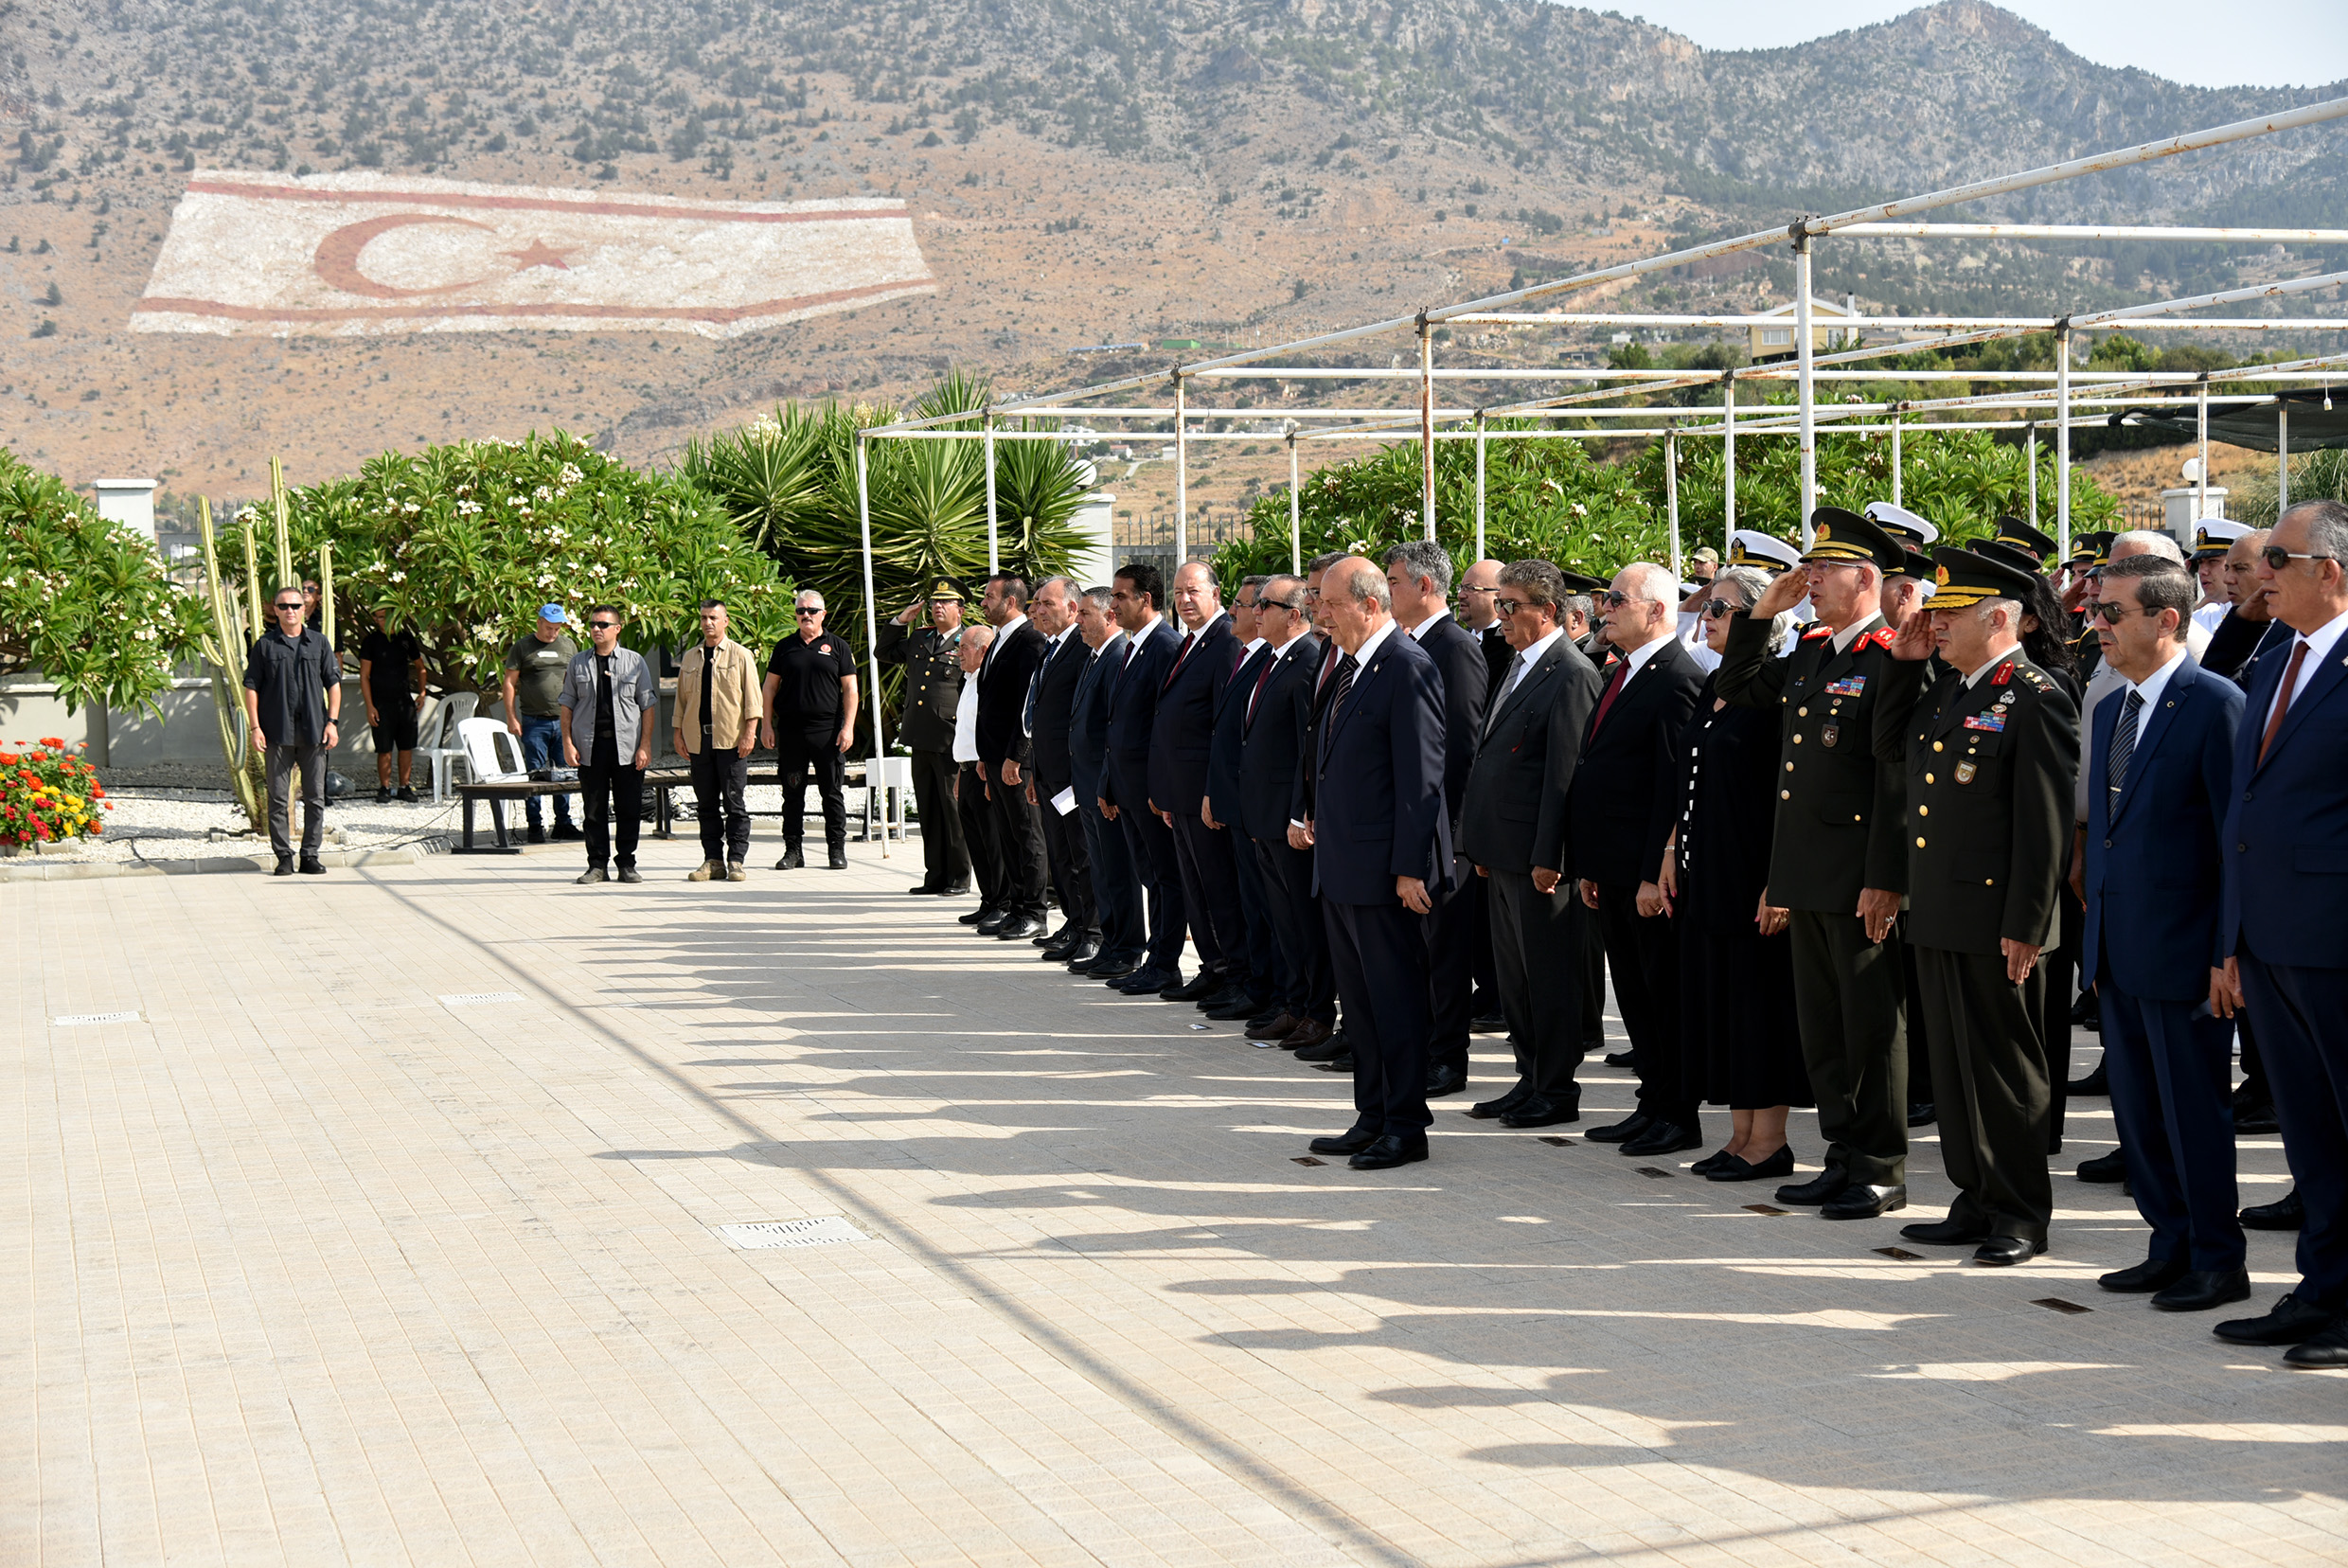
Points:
x=1750 y=547
x=2214 y=536
x=1900 y=523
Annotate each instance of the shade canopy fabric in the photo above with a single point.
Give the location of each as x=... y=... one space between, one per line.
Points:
x=2255 y=425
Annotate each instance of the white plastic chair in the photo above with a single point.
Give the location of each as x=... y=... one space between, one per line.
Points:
x=480 y=739
x=436 y=743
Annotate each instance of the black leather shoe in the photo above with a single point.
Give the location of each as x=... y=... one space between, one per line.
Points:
x=1817 y=1189
x=1205 y=983
x=1055 y=950
x=1143 y=982
x=1922 y=1113
x=792 y=859
x=568 y=832
x=2203 y=1289
x=1540 y=1111
x=285 y=868
x=2003 y=1252
x=983 y=912
x=1663 y=1137
x=1328 y=1050
x=927 y=890
x=1718 y=1160
x=1944 y=1233
x=1487 y=1024
x=994 y=923
x=630 y=874
x=2153 y=1273
x=1442 y=1081
x=2329 y=1348
x=954 y=890
x=1343 y=1063
x=1738 y=1169
x=536 y=835
x=1228 y=1006
x=2289 y=1322
x=836 y=861
x=1621 y=1132
x=311 y=867
x=2105 y=1168
x=1352 y=1141
x=1493 y=1109
x=1017 y=928
x=1390 y=1151
x=2255 y=1121
x=1623 y=1059
x=2096 y=1082
x=1862 y=1201
x=2285 y=1213
x=1104 y=969
x=1054 y=938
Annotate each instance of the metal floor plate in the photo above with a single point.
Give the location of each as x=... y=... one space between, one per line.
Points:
x=822 y=1231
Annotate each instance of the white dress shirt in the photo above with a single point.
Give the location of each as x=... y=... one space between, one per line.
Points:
x=1518 y=670
x=2319 y=644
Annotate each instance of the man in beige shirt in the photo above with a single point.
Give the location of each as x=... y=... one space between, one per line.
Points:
x=716 y=726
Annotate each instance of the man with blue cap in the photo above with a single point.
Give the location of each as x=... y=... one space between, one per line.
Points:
x=535 y=667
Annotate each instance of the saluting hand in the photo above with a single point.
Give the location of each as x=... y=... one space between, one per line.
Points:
x=1914 y=642
x=1785 y=591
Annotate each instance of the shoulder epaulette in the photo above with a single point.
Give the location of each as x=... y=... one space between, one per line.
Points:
x=1882 y=636
x=2034 y=678
x=1815 y=630
x=2005 y=674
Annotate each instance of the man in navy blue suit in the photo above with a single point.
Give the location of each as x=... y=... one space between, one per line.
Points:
x=2285 y=922
x=1276 y=711
x=1181 y=743
x=1116 y=891
x=1381 y=848
x=2160 y=778
x=1258 y=958
x=1142 y=669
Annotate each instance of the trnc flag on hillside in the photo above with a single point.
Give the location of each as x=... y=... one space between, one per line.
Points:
x=365 y=254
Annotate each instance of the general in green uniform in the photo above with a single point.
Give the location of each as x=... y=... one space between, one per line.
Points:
x=932 y=661
x=1836 y=861
x=1989 y=755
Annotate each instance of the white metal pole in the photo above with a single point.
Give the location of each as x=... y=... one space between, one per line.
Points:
x=2031 y=446
x=1182 y=481
x=1896 y=425
x=1479 y=484
x=2283 y=458
x=872 y=637
x=2063 y=442
x=1804 y=366
x=1671 y=496
x=994 y=560
x=1296 y=515
x=2202 y=496
x=1427 y=428
x=1728 y=455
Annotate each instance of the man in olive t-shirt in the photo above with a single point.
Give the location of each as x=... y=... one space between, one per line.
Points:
x=534 y=670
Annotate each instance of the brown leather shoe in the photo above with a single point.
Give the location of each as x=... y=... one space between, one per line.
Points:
x=707 y=869
x=1310 y=1032
x=1281 y=1027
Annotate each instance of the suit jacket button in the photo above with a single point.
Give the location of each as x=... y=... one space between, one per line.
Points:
x=2107 y=844
x=2241 y=848
x=1919 y=844
x=1784 y=794
x=1935 y=745
x=2246 y=794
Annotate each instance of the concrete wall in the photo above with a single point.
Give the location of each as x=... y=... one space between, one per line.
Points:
x=182 y=731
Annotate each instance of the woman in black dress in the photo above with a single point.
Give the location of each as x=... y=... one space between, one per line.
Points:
x=1740 y=1044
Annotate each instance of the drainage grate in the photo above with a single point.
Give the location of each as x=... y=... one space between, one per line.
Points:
x=71 y=1020
x=823 y=1231
x=1561 y=1142
x=1307 y=1159
x=1656 y=1171
x=476 y=999
x=1762 y=1209
x=1902 y=1254
x=2056 y=1304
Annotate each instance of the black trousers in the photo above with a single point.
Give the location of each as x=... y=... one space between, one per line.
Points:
x=1211 y=896
x=1536 y=953
x=945 y=859
x=2171 y=1095
x=979 y=836
x=1259 y=951
x=795 y=753
x=1380 y=954
x=718 y=775
x=1150 y=843
x=1643 y=953
x=1593 y=983
x=1116 y=887
x=1919 y=1053
x=607 y=790
x=1989 y=1068
x=1071 y=858
x=1308 y=986
x=1483 y=956
x=1019 y=845
x=2060 y=965
x=2302 y=1037
x=1851 y=996
x=1451 y=968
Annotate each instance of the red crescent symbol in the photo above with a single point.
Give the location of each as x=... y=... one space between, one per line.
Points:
x=337 y=261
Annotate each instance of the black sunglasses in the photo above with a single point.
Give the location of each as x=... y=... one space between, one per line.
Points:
x=1719 y=609
x=602 y=626
x=2276 y=557
x=2111 y=611
x=804 y=611
x=1613 y=600
x=296 y=605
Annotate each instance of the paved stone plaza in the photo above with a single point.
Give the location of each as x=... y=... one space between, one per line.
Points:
x=319 y=1262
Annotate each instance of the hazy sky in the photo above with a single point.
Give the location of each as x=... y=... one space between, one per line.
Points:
x=2273 y=43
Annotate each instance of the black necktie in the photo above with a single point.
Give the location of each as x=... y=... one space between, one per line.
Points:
x=1346 y=671
x=2123 y=745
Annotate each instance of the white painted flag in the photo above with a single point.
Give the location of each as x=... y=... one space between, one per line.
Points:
x=349 y=255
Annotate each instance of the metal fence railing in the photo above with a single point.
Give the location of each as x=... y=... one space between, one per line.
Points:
x=1151 y=537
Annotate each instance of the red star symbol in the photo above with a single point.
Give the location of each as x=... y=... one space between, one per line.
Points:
x=538 y=255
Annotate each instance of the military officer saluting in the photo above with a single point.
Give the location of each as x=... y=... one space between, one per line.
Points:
x=1836 y=861
x=1989 y=755
x=932 y=661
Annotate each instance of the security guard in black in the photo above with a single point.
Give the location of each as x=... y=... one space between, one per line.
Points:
x=810 y=716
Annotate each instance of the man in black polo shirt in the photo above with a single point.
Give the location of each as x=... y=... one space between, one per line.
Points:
x=809 y=699
x=293 y=695
x=391 y=680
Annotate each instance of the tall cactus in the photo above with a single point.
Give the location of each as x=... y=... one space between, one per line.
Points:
x=219 y=647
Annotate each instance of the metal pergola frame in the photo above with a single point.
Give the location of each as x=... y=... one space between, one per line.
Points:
x=2070 y=391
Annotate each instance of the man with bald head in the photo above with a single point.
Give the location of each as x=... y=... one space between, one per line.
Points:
x=1479 y=612
x=1619 y=816
x=1180 y=748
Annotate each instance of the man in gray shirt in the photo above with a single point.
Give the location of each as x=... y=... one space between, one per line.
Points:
x=608 y=703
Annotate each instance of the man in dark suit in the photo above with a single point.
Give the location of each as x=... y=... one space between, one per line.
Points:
x=1578 y=617
x=1333 y=1054
x=1179 y=743
x=2159 y=779
x=1258 y=960
x=1479 y=595
x=1117 y=888
x=1004 y=676
x=1381 y=844
x=1275 y=710
x=1619 y=817
x=1050 y=784
x=1513 y=827
x=933 y=688
x=2285 y=912
x=1418 y=580
x=1837 y=861
x=1149 y=642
